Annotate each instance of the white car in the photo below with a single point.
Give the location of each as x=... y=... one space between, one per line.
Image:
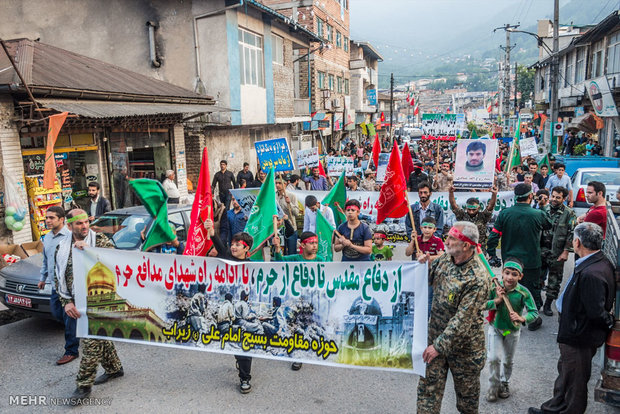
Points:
x=608 y=176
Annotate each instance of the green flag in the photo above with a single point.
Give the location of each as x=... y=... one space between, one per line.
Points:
x=338 y=194
x=371 y=129
x=514 y=158
x=474 y=134
x=545 y=161
x=260 y=222
x=154 y=198
x=325 y=232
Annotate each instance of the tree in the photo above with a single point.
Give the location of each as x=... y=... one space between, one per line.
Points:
x=525 y=83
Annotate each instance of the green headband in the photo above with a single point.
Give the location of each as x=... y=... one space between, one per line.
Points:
x=427 y=224
x=514 y=265
x=523 y=195
x=81 y=216
x=472 y=206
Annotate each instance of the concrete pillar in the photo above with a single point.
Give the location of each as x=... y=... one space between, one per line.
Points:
x=13 y=165
x=178 y=137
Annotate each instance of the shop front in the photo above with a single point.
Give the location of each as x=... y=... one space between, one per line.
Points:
x=77 y=163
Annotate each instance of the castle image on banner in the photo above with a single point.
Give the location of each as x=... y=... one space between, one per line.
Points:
x=369 y=338
x=113 y=316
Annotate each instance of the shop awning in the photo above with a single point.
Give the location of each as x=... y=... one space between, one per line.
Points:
x=106 y=109
x=589 y=123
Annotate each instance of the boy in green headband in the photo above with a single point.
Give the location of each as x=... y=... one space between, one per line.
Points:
x=504 y=331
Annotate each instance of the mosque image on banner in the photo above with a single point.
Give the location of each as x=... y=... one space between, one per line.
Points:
x=328 y=313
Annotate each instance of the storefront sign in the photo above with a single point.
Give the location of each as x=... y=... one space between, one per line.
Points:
x=274 y=153
x=363 y=314
x=579 y=111
x=34 y=164
x=371 y=95
x=308 y=158
x=395 y=228
x=601 y=97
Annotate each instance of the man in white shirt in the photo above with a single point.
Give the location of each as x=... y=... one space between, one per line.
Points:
x=312 y=206
x=562 y=180
x=171 y=188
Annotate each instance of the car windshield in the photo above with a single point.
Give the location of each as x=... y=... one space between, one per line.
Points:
x=123 y=229
x=606 y=177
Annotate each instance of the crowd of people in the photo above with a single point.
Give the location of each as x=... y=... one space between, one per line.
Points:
x=537 y=235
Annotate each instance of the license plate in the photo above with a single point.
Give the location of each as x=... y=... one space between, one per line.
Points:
x=18 y=301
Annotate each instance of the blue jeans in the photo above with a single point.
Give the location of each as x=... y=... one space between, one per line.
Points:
x=291 y=244
x=72 y=343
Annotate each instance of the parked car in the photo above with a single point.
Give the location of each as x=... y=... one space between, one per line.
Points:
x=18 y=282
x=580 y=179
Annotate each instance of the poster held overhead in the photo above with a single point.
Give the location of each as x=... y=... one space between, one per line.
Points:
x=274 y=153
x=475 y=163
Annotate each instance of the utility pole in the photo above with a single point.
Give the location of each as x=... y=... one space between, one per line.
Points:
x=516 y=88
x=553 y=105
x=391 y=103
x=507 y=28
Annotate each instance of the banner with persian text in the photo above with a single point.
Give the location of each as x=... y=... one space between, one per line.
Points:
x=355 y=314
x=394 y=227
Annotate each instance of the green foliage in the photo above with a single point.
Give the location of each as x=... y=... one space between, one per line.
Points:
x=579 y=149
x=525 y=82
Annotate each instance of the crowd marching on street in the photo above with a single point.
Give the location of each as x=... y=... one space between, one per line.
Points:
x=535 y=237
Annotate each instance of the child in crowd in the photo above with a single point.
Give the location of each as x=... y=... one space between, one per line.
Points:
x=381 y=252
x=428 y=242
x=504 y=331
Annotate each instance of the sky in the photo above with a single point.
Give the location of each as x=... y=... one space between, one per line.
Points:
x=427 y=28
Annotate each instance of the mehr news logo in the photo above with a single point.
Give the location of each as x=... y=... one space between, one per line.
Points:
x=44 y=400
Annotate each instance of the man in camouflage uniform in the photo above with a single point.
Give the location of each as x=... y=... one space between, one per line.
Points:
x=474 y=214
x=443 y=179
x=461 y=288
x=95 y=351
x=556 y=243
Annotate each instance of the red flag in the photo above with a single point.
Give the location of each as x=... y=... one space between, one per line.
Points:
x=416 y=110
x=382 y=117
x=543 y=119
x=321 y=169
x=412 y=101
x=376 y=149
x=407 y=162
x=392 y=200
x=49 y=172
x=202 y=209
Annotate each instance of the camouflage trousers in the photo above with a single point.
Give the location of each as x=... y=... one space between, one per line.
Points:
x=465 y=367
x=95 y=352
x=555 y=269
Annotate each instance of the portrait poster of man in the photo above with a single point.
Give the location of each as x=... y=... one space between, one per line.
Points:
x=475 y=163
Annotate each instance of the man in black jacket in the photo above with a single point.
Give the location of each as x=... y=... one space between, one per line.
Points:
x=97 y=204
x=585 y=321
x=225 y=181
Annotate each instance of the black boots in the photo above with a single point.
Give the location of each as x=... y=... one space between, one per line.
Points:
x=547 y=307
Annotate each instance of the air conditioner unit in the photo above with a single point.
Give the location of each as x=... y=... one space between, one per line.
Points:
x=336 y=103
x=327 y=104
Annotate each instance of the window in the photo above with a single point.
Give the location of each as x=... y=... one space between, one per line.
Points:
x=319 y=27
x=613 y=53
x=569 y=76
x=346 y=86
x=346 y=44
x=321 y=80
x=338 y=39
x=597 y=60
x=277 y=49
x=330 y=82
x=339 y=84
x=251 y=59
x=330 y=34
x=580 y=66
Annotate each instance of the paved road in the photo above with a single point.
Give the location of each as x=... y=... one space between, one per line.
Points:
x=165 y=380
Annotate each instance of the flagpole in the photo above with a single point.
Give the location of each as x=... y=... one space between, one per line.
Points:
x=417 y=247
x=486 y=265
x=208 y=216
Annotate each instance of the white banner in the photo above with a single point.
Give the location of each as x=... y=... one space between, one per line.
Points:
x=395 y=228
x=355 y=314
x=336 y=165
x=308 y=158
x=528 y=147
